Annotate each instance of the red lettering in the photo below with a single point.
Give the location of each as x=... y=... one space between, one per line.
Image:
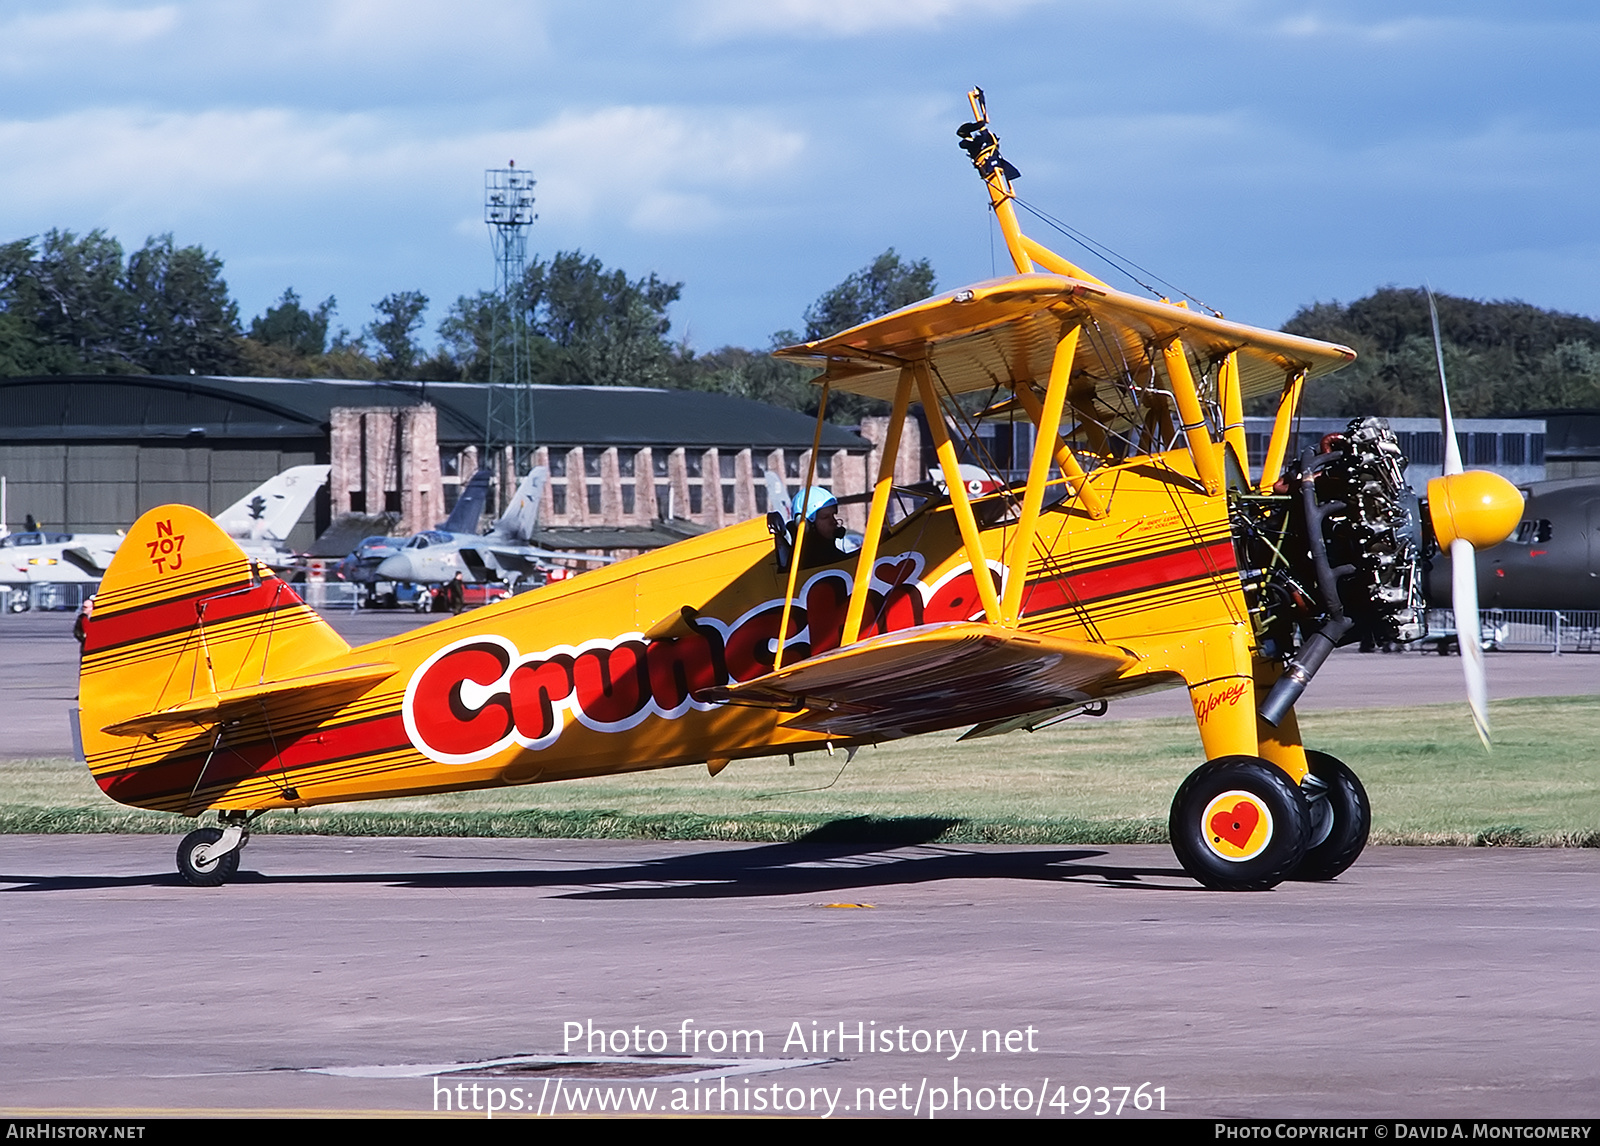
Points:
x=956 y=600
x=827 y=598
x=902 y=610
x=749 y=650
x=681 y=666
x=445 y=721
x=611 y=684
x=536 y=688
x=1231 y=695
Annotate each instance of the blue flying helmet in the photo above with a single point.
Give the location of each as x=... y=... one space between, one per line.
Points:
x=808 y=502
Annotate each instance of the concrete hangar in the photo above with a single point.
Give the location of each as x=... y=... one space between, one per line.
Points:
x=89 y=453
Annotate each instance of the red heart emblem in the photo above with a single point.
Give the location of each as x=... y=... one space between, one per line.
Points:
x=897 y=573
x=1237 y=825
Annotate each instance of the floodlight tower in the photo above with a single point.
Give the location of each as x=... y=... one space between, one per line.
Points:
x=508 y=210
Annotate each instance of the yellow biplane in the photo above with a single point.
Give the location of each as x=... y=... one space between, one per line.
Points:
x=1141 y=552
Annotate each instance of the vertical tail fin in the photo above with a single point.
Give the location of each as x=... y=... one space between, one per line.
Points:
x=521 y=517
x=271 y=510
x=469 y=506
x=182 y=618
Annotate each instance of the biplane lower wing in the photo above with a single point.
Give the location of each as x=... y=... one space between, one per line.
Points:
x=932 y=677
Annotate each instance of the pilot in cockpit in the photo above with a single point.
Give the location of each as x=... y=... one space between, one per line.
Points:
x=823 y=531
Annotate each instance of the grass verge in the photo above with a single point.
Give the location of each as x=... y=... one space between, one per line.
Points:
x=1085 y=782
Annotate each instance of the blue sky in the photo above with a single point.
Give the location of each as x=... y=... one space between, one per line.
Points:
x=1258 y=155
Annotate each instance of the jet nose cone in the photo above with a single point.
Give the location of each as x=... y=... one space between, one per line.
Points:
x=396 y=568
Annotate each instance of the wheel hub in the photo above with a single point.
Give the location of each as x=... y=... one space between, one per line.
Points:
x=1237 y=826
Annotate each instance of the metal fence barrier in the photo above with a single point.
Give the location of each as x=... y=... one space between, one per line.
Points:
x=45 y=597
x=65 y=597
x=324 y=596
x=1530 y=630
x=1511 y=630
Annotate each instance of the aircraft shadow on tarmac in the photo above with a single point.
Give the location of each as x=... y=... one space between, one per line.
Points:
x=845 y=855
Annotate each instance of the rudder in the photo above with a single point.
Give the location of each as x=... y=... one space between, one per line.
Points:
x=182 y=614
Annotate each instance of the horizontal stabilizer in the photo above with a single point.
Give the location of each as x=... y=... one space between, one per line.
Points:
x=215 y=707
x=931 y=677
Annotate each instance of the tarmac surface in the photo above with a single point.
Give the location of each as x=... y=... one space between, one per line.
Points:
x=362 y=975
x=393 y=976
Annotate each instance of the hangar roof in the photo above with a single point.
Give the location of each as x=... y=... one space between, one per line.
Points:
x=102 y=407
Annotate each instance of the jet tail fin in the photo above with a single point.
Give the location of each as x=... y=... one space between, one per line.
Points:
x=469 y=506
x=271 y=510
x=521 y=517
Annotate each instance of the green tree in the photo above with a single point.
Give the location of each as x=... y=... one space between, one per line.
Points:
x=754 y=374
x=180 y=318
x=467 y=336
x=883 y=285
x=586 y=326
x=68 y=296
x=595 y=327
x=402 y=315
x=293 y=327
x=1501 y=358
x=73 y=305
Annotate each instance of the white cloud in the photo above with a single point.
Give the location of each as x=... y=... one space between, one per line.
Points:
x=659 y=169
x=231 y=40
x=731 y=19
x=29 y=38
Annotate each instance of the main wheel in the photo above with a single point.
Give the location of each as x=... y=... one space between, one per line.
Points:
x=1239 y=824
x=200 y=869
x=1341 y=817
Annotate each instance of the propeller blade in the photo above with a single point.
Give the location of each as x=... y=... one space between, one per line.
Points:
x=1469 y=632
x=1447 y=423
x=1463 y=559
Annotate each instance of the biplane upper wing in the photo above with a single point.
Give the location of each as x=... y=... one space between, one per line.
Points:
x=932 y=677
x=1006 y=329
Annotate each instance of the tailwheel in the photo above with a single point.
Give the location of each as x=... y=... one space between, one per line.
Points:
x=1239 y=824
x=209 y=857
x=1341 y=817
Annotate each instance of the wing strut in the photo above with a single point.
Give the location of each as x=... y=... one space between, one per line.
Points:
x=800 y=527
x=879 y=512
x=959 y=502
x=1176 y=358
x=1049 y=429
x=1232 y=418
x=1075 y=474
x=1278 y=444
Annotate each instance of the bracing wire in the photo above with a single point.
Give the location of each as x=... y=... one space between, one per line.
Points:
x=1120 y=262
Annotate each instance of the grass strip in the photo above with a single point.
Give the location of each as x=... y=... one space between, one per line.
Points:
x=779 y=828
x=1085 y=782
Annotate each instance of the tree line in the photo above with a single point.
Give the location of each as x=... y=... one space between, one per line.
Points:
x=74 y=304
x=1501 y=358
x=79 y=304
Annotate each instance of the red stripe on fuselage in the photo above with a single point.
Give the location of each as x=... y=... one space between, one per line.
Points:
x=1170 y=568
x=230 y=765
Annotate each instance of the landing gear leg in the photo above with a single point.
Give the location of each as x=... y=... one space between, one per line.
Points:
x=209 y=857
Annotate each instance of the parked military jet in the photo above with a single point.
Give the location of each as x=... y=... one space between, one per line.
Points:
x=260 y=522
x=503 y=554
x=360 y=565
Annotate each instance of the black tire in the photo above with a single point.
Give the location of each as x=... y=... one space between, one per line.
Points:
x=1341 y=818
x=1263 y=829
x=205 y=873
